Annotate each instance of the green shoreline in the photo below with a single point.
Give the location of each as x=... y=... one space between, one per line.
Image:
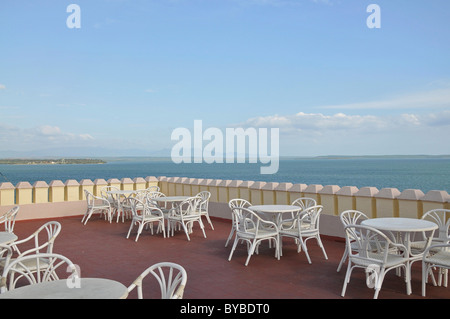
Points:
x=61 y=161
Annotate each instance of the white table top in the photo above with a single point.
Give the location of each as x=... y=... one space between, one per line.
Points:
x=171 y=198
x=275 y=208
x=7 y=237
x=400 y=224
x=90 y=288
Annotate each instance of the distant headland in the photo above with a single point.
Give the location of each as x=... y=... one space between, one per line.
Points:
x=20 y=161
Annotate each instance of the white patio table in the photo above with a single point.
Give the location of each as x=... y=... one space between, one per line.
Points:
x=89 y=288
x=171 y=199
x=117 y=194
x=276 y=211
x=403 y=228
x=7 y=237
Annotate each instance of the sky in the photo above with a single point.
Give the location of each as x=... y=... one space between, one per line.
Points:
x=134 y=71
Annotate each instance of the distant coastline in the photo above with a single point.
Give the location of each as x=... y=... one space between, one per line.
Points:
x=112 y=159
x=62 y=161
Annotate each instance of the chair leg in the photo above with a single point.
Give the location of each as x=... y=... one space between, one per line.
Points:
x=233 y=248
x=89 y=213
x=163 y=228
x=379 y=283
x=85 y=215
x=186 y=230
x=302 y=244
x=230 y=236
x=251 y=251
x=344 y=257
x=141 y=226
x=408 y=278
x=202 y=227
x=277 y=247
x=347 y=278
x=424 y=277
x=129 y=229
x=319 y=241
x=209 y=221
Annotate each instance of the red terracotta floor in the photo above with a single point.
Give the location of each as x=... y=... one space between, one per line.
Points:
x=102 y=250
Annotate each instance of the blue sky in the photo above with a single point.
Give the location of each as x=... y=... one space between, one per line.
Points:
x=138 y=69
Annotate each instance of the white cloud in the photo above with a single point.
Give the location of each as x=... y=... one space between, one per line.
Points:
x=16 y=138
x=2 y=87
x=49 y=130
x=438 y=98
x=318 y=122
x=311 y=134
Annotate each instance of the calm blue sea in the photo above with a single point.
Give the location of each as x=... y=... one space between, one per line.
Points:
x=417 y=173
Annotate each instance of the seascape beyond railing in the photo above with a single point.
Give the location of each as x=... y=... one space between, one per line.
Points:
x=58 y=199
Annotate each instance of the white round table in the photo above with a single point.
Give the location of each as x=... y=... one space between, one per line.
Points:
x=276 y=210
x=171 y=199
x=400 y=224
x=89 y=288
x=403 y=227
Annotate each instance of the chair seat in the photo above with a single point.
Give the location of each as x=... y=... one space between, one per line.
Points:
x=441 y=257
x=262 y=233
x=30 y=264
x=98 y=207
x=147 y=218
x=420 y=245
x=305 y=231
x=373 y=258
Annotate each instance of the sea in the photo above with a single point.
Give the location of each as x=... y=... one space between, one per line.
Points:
x=424 y=173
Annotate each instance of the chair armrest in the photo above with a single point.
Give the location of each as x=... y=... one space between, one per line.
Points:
x=104 y=200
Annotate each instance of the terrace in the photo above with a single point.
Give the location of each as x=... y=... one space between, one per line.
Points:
x=102 y=250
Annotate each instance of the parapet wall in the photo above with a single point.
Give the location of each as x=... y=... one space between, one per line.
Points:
x=58 y=199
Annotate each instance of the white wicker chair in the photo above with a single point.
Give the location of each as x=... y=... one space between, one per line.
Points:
x=350 y=217
x=96 y=204
x=304 y=202
x=104 y=193
x=5 y=254
x=153 y=189
x=236 y=203
x=143 y=215
x=442 y=236
x=43 y=238
x=115 y=200
x=36 y=268
x=442 y=218
x=250 y=227
x=156 y=194
x=302 y=228
x=9 y=219
x=171 y=277
x=185 y=214
x=435 y=256
x=203 y=206
x=376 y=263
x=41 y=241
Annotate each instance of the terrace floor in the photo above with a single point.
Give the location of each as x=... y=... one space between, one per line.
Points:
x=102 y=250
